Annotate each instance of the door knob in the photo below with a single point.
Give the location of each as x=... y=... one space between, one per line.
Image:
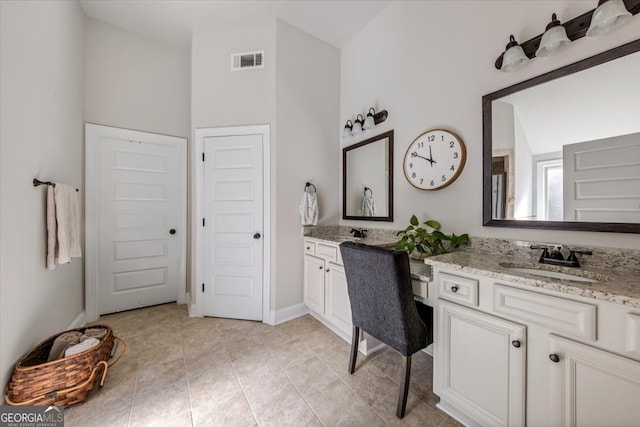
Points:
x=257 y=236
x=172 y=231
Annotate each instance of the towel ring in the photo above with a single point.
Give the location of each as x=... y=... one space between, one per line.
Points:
x=369 y=190
x=308 y=184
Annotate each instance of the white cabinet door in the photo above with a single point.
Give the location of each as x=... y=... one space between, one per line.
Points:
x=480 y=365
x=314 y=275
x=338 y=304
x=592 y=387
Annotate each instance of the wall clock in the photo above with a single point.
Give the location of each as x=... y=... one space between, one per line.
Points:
x=434 y=159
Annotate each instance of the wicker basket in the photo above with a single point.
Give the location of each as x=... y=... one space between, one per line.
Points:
x=61 y=382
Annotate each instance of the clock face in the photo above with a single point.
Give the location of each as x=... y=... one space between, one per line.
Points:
x=434 y=159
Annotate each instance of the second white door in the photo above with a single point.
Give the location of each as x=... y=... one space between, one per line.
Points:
x=233 y=203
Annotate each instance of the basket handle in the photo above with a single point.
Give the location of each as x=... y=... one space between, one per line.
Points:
x=75 y=387
x=124 y=350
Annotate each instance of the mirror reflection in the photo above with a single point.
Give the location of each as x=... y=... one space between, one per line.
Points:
x=568 y=149
x=367 y=187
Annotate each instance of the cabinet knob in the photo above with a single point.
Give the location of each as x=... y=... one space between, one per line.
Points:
x=308 y=247
x=327 y=270
x=257 y=236
x=454 y=289
x=320 y=268
x=516 y=343
x=172 y=231
x=554 y=358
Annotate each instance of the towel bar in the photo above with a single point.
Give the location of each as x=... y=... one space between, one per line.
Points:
x=308 y=184
x=37 y=182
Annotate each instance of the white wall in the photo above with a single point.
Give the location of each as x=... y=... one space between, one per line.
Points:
x=429 y=64
x=307 y=103
x=221 y=97
x=40 y=136
x=134 y=82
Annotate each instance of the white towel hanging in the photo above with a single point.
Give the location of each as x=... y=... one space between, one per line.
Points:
x=309 y=207
x=63 y=225
x=368 y=203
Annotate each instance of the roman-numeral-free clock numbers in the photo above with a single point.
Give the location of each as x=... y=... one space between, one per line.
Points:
x=434 y=159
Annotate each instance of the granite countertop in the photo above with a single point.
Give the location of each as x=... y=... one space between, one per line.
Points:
x=617 y=285
x=419 y=270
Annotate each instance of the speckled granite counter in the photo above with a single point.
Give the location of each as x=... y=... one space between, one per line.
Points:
x=617 y=285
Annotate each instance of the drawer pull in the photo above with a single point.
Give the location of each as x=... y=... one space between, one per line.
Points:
x=454 y=289
x=554 y=358
x=515 y=343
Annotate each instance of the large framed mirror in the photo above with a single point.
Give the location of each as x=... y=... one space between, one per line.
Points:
x=367 y=179
x=562 y=150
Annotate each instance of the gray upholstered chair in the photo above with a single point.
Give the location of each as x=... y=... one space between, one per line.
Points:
x=382 y=304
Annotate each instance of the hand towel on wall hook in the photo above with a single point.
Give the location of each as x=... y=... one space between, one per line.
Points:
x=309 y=206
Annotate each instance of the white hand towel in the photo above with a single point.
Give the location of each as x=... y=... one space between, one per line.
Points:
x=368 y=204
x=309 y=209
x=52 y=229
x=68 y=221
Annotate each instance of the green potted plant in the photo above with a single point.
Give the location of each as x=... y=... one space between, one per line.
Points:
x=428 y=241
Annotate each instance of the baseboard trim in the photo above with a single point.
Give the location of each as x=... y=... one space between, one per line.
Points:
x=288 y=313
x=455 y=414
x=79 y=321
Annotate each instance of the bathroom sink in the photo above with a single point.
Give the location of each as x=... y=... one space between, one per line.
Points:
x=535 y=270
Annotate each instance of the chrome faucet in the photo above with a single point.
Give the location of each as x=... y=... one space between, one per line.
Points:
x=359 y=232
x=555 y=256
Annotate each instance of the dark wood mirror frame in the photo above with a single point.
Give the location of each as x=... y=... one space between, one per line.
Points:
x=389 y=218
x=487 y=100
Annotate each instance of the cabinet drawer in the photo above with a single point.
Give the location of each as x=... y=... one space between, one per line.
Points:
x=328 y=252
x=419 y=289
x=458 y=289
x=309 y=247
x=573 y=318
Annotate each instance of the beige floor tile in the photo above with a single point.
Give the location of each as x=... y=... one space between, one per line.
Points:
x=370 y=383
x=310 y=374
x=335 y=404
x=155 y=407
x=182 y=371
x=417 y=412
x=297 y=414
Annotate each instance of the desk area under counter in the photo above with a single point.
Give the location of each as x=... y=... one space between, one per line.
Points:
x=325 y=284
x=516 y=348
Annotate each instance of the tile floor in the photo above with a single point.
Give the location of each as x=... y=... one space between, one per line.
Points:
x=181 y=371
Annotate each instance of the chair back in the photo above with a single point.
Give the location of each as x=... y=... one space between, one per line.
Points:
x=381 y=296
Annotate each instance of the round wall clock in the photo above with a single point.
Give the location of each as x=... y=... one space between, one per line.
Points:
x=434 y=159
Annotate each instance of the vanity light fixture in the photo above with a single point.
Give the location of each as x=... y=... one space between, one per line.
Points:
x=514 y=57
x=357 y=125
x=554 y=38
x=368 y=121
x=360 y=124
x=609 y=15
x=346 y=132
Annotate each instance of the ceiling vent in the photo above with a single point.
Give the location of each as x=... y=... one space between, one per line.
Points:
x=247 y=60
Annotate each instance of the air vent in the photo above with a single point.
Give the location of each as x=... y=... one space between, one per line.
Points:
x=247 y=60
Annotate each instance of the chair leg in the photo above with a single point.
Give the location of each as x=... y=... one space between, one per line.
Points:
x=354 y=349
x=404 y=387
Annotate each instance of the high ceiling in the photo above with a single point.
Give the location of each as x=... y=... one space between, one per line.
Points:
x=171 y=21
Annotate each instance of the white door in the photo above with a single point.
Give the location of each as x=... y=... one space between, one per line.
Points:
x=233 y=224
x=136 y=221
x=602 y=180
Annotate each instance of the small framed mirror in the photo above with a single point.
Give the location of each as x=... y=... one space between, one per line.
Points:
x=367 y=179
